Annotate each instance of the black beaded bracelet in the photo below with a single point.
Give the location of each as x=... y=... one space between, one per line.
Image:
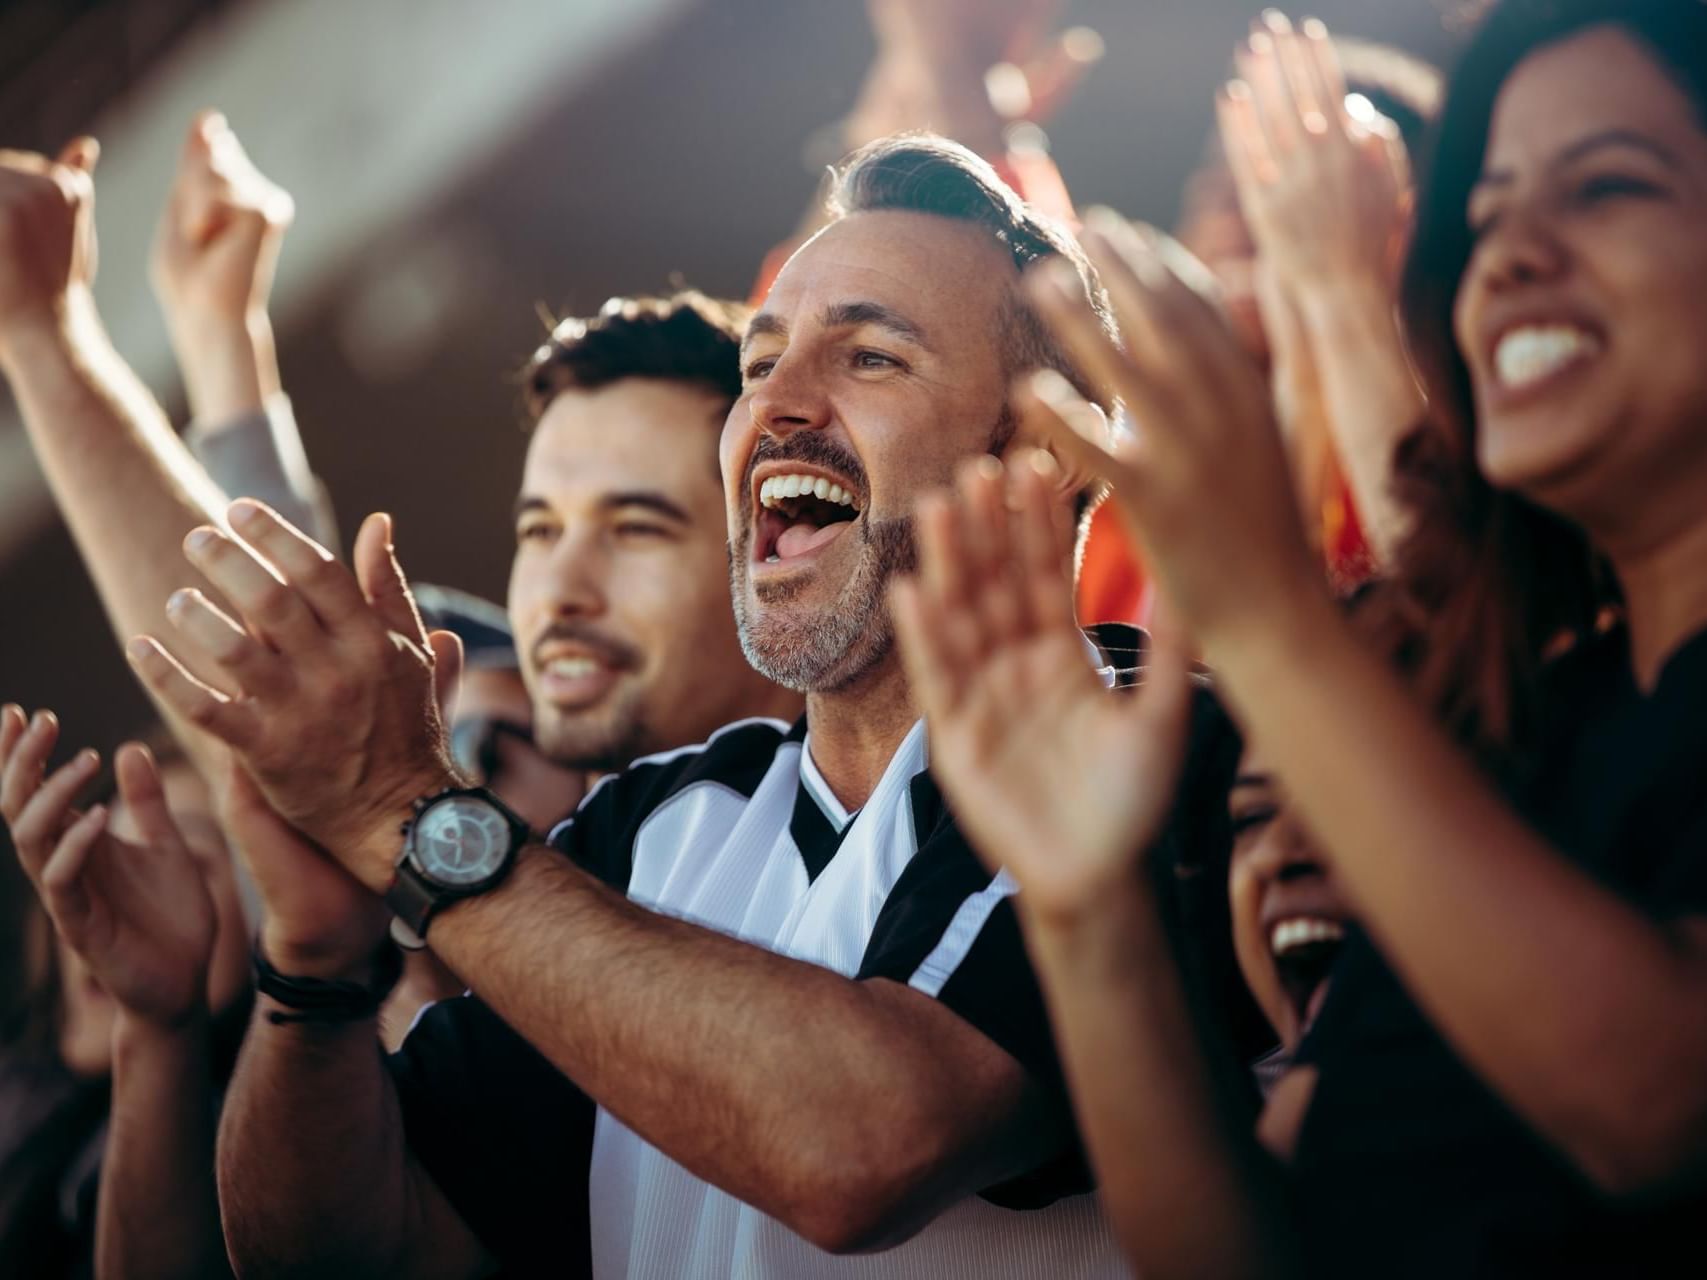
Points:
x=326 y=999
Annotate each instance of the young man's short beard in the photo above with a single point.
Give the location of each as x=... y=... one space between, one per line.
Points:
x=828 y=651
x=603 y=743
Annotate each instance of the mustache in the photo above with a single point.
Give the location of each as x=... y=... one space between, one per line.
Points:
x=809 y=447
x=618 y=654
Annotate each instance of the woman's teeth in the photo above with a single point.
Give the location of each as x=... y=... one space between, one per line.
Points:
x=1289 y=935
x=774 y=490
x=1525 y=356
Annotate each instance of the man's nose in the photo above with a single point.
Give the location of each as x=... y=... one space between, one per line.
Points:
x=578 y=578
x=791 y=398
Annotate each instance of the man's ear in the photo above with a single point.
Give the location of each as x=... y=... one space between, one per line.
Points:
x=1071 y=479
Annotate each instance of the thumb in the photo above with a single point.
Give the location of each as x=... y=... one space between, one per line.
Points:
x=81 y=153
x=447 y=670
x=141 y=790
x=382 y=579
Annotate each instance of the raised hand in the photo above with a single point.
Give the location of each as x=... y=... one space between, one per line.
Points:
x=139 y=915
x=1204 y=485
x=212 y=266
x=1053 y=777
x=1322 y=189
x=337 y=720
x=47 y=234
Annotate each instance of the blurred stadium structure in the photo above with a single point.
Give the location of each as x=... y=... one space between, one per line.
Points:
x=456 y=164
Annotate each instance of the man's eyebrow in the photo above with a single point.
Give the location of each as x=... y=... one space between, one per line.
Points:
x=761 y=326
x=650 y=500
x=847 y=315
x=1586 y=146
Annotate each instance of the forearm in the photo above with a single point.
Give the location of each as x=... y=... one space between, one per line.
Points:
x=158 y=1215
x=1369 y=396
x=817 y=1099
x=1437 y=863
x=230 y=367
x=313 y=1169
x=124 y=482
x=1187 y=1188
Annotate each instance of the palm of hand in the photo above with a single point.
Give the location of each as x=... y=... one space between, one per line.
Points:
x=140 y=917
x=1055 y=778
x=306 y=893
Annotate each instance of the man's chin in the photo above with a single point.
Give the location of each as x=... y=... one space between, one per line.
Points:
x=600 y=745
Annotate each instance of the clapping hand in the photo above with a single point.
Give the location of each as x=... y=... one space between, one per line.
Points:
x=1052 y=776
x=337 y=720
x=1203 y=483
x=1322 y=188
x=139 y=915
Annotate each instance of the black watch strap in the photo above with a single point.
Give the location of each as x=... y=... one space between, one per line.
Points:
x=412 y=900
x=325 y=999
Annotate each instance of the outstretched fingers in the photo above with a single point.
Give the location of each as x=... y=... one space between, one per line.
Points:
x=64 y=891
x=325 y=587
x=144 y=795
x=382 y=582
x=48 y=811
x=26 y=762
x=257 y=669
x=231 y=721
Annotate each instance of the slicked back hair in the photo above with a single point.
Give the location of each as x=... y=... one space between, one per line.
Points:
x=923 y=173
x=686 y=337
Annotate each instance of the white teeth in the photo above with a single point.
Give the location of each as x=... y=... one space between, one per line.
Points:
x=1289 y=935
x=1527 y=355
x=571 y=668
x=778 y=489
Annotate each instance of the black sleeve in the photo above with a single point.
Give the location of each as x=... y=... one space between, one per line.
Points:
x=948 y=928
x=503 y=1133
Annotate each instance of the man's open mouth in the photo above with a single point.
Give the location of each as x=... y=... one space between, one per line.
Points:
x=800 y=512
x=1305 y=948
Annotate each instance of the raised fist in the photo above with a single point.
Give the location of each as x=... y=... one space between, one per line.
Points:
x=220 y=234
x=47 y=233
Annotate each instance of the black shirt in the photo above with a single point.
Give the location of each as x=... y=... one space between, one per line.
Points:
x=1407 y=1164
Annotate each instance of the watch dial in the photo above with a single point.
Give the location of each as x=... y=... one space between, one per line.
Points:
x=461 y=840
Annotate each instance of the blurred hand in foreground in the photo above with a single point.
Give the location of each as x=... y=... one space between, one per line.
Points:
x=1204 y=484
x=1060 y=781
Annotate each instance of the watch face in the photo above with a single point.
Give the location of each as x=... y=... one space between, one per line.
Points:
x=460 y=841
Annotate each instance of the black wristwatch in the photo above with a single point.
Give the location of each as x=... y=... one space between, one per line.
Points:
x=461 y=842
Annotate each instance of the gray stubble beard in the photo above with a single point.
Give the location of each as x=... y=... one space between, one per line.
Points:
x=828 y=651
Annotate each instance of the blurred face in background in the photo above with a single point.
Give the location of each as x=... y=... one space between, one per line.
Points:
x=1289 y=917
x=619 y=595
x=875 y=367
x=1581 y=312
x=491 y=734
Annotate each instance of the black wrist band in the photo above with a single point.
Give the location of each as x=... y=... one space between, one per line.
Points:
x=324 y=999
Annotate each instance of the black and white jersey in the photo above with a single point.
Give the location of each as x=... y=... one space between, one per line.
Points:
x=742 y=835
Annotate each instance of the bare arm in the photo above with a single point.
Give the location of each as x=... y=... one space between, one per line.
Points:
x=315 y=1177
x=1432 y=856
x=126 y=486
x=1435 y=859
x=1184 y=1184
x=855 y=1112
x=1214 y=1204
x=157 y=1215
